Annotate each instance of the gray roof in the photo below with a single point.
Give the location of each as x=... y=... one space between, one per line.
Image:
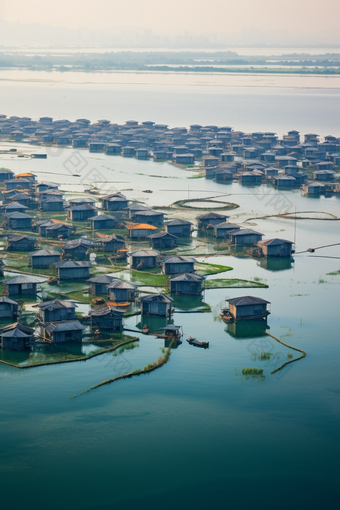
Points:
x=73 y=264
x=18 y=216
x=16 y=327
x=84 y=207
x=102 y=217
x=178 y=222
x=176 y=259
x=44 y=253
x=226 y=226
x=82 y=200
x=274 y=242
x=78 y=242
x=246 y=300
x=145 y=253
x=211 y=216
x=150 y=212
x=159 y=235
x=52 y=198
x=187 y=277
x=105 y=278
x=245 y=232
x=4 y=299
x=21 y=279
x=15 y=239
x=15 y=205
x=63 y=326
x=57 y=226
x=120 y=284
x=106 y=310
x=111 y=238
x=56 y=304
x=162 y=298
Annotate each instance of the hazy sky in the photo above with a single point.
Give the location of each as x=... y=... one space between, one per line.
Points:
x=197 y=16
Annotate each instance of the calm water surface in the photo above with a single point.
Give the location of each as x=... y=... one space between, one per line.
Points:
x=196 y=432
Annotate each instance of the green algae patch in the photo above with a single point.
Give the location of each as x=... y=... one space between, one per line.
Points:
x=148 y=279
x=334 y=273
x=252 y=371
x=204 y=269
x=222 y=283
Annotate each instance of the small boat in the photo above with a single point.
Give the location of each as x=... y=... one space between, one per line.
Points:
x=311 y=250
x=147 y=191
x=146 y=329
x=197 y=343
x=226 y=316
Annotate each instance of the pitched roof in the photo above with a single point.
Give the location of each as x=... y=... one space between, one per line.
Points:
x=161 y=298
x=63 y=326
x=18 y=216
x=212 y=216
x=106 y=310
x=73 y=264
x=145 y=253
x=44 y=253
x=78 y=242
x=15 y=205
x=178 y=222
x=16 y=326
x=105 y=278
x=274 y=242
x=21 y=279
x=102 y=217
x=245 y=232
x=15 y=239
x=226 y=226
x=187 y=277
x=246 y=300
x=4 y=299
x=159 y=235
x=56 y=304
x=177 y=259
x=120 y=284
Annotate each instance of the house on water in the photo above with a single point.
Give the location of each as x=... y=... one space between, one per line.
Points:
x=211 y=219
x=175 y=264
x=179 y=227
x=15 y=207
x=245 y=237
x=21 y=243
x=114 y=202
x=72 y=270
x=120 y=291
x=78 y=248
x=18 y=221
x=102 y=222
x=56 y=311
x=99 y=284
x=163 y=241
x=246 y=308
x=8 y=308
x=142 y=259
x=112 y=243
x=44 y=258
x=150 y=217
x=222 y=230
x=81 y=212
x=16 y=337
x=107 y=318
x=23 y=285
x=187 y=283
x=140 y=230
x=276 y=247
x=61 y=332
x=155 y=304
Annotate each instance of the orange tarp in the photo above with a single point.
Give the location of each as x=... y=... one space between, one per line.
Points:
x=142 y=226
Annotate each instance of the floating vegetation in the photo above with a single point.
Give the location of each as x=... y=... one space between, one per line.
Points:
x=290 y=347
x=263 y=356
x=252 y=371
x=221 y=283
x=289 y=355
x=203 y=268
x=334 y=273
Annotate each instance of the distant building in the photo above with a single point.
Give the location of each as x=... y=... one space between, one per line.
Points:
x=77 y=248
x=107 y=318
x=186 y=283
x=248 y=307
x=44 y=258
x=111 y=243
x=114 y=202
x=56 y=310
x=149 y=217
x=16 y=337
x=140 y=230
x=276 y=247
x=222 y=230
x=61 y=332
x=81 y=212
x=99 y=284
x=18 y=221
x=15 y=207
x=142 y=259
x=73 y=270
x=102 y=222
x=21 y=243
x=178 y=264
x=120 y=291
x=209 y=220
x=245 y=237
x=179 y=227
x=155 y=304
x=22 y=285
x=163 y=241
x=8 y=308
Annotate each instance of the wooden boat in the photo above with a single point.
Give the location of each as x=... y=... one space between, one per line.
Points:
x=226 y=316
x=197 y=343
x=146 y=329
x=147 y=191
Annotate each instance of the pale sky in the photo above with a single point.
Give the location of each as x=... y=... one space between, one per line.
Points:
x=172 y=16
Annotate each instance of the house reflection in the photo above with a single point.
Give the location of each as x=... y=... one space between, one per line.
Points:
x=276 y=263
x=247 y=329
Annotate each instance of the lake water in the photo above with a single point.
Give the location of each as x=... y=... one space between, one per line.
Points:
x=195 y=433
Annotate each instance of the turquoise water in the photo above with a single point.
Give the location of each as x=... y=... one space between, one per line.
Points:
x=196 y=431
